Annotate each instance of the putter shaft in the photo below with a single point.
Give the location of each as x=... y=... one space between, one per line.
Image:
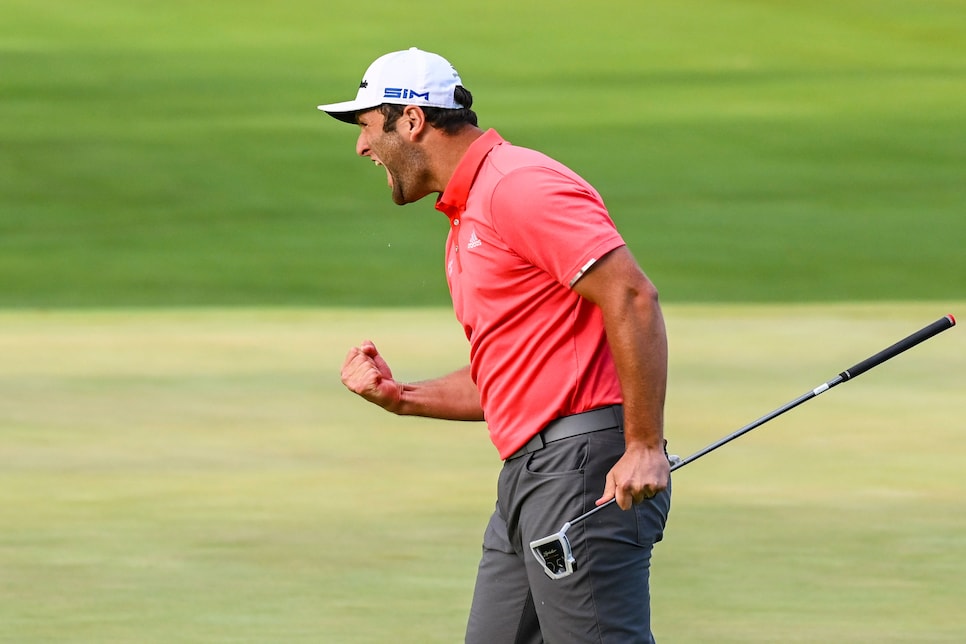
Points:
x=906 y=343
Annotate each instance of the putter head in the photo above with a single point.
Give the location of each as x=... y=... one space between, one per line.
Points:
x=555 y=554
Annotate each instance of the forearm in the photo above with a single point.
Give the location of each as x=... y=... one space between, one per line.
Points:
x=450 y=397
x=638 y=341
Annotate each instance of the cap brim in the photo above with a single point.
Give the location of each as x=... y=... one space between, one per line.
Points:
x=347 y=110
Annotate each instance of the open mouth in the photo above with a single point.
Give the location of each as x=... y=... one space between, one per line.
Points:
x=388 y=175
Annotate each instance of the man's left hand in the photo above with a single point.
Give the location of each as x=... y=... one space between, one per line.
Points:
x=640 y=474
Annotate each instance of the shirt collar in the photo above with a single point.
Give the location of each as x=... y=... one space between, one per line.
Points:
x=453 y=200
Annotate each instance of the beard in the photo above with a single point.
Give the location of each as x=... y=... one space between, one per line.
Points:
x=408 y=174
x=398 y=191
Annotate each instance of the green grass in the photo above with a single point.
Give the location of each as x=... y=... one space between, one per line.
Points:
x=171 y=154
x=188 y=476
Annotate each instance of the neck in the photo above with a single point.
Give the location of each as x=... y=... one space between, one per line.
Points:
x=447 y=152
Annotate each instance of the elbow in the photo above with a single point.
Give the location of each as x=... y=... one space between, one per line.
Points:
x=643 y=294
x=649 y=291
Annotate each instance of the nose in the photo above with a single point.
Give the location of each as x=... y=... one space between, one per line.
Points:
x=362 y=145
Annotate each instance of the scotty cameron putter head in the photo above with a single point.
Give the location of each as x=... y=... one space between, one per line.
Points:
x=554 y=554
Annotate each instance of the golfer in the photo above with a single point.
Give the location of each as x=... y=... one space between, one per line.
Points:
x=568 y=357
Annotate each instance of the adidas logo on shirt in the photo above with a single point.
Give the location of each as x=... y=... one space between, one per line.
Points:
x=474 y=241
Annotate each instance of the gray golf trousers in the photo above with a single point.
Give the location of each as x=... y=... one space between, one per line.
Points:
x=607 y=598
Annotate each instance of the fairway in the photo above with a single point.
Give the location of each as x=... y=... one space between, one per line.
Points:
x=202 y=476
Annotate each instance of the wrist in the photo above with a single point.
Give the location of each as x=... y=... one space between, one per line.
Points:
x=649 y=443
x=396 y=403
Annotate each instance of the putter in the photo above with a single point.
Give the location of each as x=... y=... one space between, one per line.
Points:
x=554 y=553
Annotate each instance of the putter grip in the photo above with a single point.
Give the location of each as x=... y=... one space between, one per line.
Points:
x=921 y=335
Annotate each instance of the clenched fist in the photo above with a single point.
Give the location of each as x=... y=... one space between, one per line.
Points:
x=366 y=373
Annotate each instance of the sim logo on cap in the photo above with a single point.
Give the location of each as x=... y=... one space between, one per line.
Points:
x=399 y=92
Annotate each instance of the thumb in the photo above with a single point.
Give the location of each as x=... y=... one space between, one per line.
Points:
x=369 y=349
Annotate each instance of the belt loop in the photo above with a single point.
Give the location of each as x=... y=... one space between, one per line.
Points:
x=536 y=443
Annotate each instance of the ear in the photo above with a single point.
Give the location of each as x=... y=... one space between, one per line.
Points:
x=413 y=122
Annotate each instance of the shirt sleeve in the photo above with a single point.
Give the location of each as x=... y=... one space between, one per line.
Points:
x=555 y=221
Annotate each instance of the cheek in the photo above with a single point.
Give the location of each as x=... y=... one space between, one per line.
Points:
x=388 y=150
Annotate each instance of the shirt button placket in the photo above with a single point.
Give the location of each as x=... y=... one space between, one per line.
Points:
x=456 y=243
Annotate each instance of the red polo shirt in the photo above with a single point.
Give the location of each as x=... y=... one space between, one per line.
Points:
x=523 y=228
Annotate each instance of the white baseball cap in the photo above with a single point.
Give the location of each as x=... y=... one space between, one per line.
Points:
x=408 y=77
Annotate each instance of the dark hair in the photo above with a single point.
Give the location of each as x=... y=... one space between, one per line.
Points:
x=449 y=120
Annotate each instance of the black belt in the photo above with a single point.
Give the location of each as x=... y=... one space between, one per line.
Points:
x=586 y=422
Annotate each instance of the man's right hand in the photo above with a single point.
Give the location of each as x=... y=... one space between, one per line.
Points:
x=367 y=374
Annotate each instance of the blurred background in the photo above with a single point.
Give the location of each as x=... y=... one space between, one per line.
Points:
x=172 y=154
